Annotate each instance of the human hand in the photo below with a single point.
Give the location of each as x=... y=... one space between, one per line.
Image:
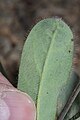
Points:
x=14 y=104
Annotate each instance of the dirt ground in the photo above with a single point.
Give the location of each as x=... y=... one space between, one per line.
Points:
x=17 y=17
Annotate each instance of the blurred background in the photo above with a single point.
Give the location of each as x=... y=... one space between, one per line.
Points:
x=17 y=17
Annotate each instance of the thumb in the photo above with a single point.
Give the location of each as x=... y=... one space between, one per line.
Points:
x=15 y=105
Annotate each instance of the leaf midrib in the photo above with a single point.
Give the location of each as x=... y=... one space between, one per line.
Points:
x=53 y=38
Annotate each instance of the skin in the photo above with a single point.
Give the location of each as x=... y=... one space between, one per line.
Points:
x=14 y=104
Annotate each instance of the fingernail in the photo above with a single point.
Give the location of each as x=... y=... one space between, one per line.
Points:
x=15 y=105
x=19 y=106
x=4 y=110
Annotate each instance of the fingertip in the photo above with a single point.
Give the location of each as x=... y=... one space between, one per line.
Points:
x=21 y=106
x=15 y=105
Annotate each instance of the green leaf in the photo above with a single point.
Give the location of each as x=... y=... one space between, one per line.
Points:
x=46 y=64
x=64 y=95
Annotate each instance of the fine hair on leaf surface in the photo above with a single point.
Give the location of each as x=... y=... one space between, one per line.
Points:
x=46 y=65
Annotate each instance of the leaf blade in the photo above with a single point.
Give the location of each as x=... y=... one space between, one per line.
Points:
x=47 y=51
